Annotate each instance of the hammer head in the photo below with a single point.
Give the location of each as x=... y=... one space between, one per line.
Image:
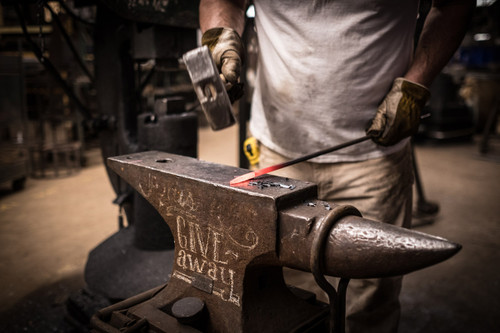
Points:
x=209 y=88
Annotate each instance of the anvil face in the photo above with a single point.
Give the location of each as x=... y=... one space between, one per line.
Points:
x=207 y=174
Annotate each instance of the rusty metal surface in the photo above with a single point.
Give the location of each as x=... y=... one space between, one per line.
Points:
x=231 y=242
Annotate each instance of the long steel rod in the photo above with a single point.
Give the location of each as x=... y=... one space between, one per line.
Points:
x=275 y=167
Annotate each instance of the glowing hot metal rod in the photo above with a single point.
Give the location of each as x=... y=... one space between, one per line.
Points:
x=263 y=171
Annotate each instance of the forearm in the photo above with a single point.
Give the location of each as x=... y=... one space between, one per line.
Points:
x=443 y=30
x=222 y=13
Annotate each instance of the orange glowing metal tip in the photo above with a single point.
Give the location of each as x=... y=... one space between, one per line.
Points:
x=263 y=171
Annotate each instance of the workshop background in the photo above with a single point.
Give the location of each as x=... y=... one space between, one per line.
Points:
x=81 y=80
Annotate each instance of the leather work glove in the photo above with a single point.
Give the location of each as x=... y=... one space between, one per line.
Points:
x=398 y=116
x=227 y=51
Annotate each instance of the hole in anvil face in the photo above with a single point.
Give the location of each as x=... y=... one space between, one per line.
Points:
x=164 y=160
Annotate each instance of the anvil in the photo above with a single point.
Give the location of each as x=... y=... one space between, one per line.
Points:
x=231 y=243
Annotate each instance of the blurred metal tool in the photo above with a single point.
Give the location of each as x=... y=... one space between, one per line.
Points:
x=209 y=88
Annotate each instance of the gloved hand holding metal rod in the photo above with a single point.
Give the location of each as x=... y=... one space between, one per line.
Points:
x=397 y=117
x=263 y=171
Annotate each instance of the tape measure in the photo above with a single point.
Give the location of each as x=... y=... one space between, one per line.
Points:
x=251 y=149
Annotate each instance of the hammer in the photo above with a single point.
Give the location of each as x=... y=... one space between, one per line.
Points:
x=209 y=88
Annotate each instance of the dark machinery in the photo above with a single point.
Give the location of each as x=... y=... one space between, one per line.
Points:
x=127 y=36
x=231 y=242
x=137 y=46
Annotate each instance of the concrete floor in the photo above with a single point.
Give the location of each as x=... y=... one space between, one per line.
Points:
x=48 y=229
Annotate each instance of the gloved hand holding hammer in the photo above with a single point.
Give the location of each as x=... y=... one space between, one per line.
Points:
x=227 y=51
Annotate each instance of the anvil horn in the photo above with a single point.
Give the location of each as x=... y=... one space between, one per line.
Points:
x=360 y=248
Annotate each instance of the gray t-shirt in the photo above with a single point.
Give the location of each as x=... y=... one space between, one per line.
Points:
x=324 y=67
